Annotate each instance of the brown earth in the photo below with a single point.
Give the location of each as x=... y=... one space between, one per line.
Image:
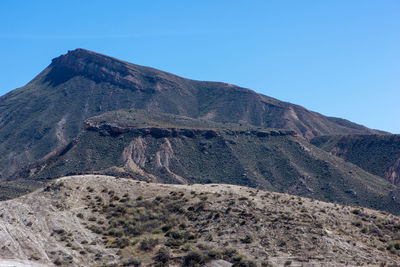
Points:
x=84 y=220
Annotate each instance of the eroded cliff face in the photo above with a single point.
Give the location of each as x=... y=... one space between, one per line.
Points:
x=157 y=132
x=270 y=159
x=377 y=154
x=393 y=173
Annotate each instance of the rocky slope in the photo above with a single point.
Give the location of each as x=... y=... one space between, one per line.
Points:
x=37 y=120
x=167 y=148
x=105 y=221
x=377 y=154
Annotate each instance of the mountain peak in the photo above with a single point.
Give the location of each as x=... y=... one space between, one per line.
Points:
x=81 y=55
x=80 y=51
x=92 y=65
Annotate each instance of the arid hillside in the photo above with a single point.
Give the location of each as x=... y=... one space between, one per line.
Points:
x=39 y=118
x=165 y=148
x=95 y=220
x=377 y=154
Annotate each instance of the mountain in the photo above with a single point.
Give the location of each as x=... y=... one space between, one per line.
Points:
x=168 y=148
x=377 y=154
x=39 y=119
x=107 y=221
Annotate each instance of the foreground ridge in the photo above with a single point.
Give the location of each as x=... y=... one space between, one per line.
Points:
x=94 y=219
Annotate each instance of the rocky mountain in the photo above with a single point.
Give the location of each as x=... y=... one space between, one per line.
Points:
x=377 y=154
x=105 y=221
x=167 y=148
x=39 y=119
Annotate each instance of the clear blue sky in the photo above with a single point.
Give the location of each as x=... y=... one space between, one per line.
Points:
x=337 y=57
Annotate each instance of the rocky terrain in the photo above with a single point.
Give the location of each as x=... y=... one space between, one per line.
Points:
x=159 y=170
x=40 y=118
x=166 y=148
x=97 y=220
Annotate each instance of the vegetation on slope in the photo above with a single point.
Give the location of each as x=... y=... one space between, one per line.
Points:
x=268 y=159
x=133 y=118
x=38 y=119
x=98 y=220
x=377 y=154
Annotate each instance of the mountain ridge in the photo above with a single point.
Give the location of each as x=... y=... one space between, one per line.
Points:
x=39 y=119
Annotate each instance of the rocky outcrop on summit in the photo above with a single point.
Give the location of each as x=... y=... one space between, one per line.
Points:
x=104 y=69
x=209 y=100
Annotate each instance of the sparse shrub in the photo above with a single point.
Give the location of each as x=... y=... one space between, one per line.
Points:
x=114 y=198
x=131 y=262
x=229 y=253
x=392 y=247
x=356 y=211
x=119 y=243
x=35 y=257
x=203 y=198
x=79 y=215
x=174 y=235
x=174 y=243
x=247 y=239
x=266 y=264
x=214 y=254
x=163 y=255
x=190 y=236
x=58 y=262
x=193 y=258
x=59 y=231
x=96 y=229
x=245 y=263
x=364 y=229
x=148 y=244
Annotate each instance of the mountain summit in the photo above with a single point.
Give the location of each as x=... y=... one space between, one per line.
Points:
x=165 y=92
x=94 y=66
x=40 y=118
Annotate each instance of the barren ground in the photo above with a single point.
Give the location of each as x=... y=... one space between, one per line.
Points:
x=94 y=220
